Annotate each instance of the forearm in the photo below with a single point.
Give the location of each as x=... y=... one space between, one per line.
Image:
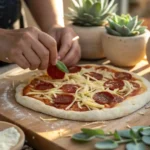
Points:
x=47 y=13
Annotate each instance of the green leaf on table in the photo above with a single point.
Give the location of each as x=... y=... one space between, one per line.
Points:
x=124 y=133
x=146 y=139
x=82 y=137
x=146 y=131
x=134 y=135
x=92 y=132
x=117 y=136
x=61 y=66
x=136 y=146
x=107 y=144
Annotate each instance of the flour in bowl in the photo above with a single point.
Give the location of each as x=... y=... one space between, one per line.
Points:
x=9 y=138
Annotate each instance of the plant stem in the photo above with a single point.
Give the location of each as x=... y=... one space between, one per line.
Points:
x=127 y=141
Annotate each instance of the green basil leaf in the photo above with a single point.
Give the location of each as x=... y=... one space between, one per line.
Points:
x=61 y=66
x=117 y=136
x=146 y=139
x=107 y=144
x=92 y=132
x=82 y=137
x=138 y=146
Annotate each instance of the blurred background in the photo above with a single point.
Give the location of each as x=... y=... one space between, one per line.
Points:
x=134 y=7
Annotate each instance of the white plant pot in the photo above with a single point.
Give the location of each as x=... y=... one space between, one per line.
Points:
x=148 y=51
x=90 y=41
x=125 y=51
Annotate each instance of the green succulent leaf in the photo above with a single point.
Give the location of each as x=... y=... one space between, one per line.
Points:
x=61 y=66
x=100 y=10
x=146 y=139
x=138 y=146
x=124 y=133
x=112 y=32
x=145 y=131
x=107 y=144
x=82 y=137
x=92 y=132
x=95 y=9
x=125 y=25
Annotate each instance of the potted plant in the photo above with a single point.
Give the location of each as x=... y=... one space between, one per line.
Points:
x=88 y=18
x=124 y=43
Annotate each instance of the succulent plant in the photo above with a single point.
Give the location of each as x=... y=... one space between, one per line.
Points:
x=125 y=25
x=91 y=12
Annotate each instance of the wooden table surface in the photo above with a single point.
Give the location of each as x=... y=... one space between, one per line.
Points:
x=54 y=134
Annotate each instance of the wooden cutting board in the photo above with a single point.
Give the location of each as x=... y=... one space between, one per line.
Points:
x=54 y=133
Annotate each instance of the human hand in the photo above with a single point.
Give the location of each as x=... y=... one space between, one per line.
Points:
x=29 y=48
x=67 y=43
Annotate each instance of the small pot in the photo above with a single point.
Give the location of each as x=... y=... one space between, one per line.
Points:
x=90 y=41
x=125 y=51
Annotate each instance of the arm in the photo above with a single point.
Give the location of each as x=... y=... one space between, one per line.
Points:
x=47 y=13
x=49 y=16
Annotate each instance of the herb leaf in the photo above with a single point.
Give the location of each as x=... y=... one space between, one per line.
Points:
x=107 y=144
x=124 y=133
x=82 y=137
x=138 y=146
x=117 y=136
x=61 y=66
x=92 y=132
x=146 y=131
x=146 y=139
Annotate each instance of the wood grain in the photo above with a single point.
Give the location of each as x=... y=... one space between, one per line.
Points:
x=55 y=135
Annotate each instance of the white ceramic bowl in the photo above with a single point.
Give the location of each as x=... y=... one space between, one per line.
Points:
x=5 y=125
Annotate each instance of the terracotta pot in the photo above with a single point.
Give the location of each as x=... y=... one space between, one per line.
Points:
x=125 y=51
x=90 y=41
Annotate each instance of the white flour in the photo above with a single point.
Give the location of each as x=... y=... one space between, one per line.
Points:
x=9 y=138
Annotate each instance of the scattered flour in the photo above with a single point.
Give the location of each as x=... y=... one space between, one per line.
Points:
x=8 y=138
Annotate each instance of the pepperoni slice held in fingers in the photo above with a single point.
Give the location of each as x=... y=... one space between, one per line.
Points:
x=55 y=73
x=63 y=99
x=69 y=88
x=123 y=75
x=74 y=69
x=114 y=84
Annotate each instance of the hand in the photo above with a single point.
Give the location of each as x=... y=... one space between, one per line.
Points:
x=67 y=43
x=29 y=48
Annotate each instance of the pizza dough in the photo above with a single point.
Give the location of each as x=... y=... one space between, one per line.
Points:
x=121 y=109
x=9 y=138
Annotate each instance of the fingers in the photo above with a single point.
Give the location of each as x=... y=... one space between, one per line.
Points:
x=22 y=62
x=50 y=44
x=74 y=55
x=66 y=44
x=42 y=52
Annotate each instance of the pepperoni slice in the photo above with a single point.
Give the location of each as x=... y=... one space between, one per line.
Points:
x=107 y=98
x=103 y=97
x=74 y=69
x=104 y=68
x=55 y=73
x=44 y=86
x=96 y=75
x=114 y=84
x=123 y=75
x=63 y=99
x=69 y=88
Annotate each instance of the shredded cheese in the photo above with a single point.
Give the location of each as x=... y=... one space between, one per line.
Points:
x=87 y=87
